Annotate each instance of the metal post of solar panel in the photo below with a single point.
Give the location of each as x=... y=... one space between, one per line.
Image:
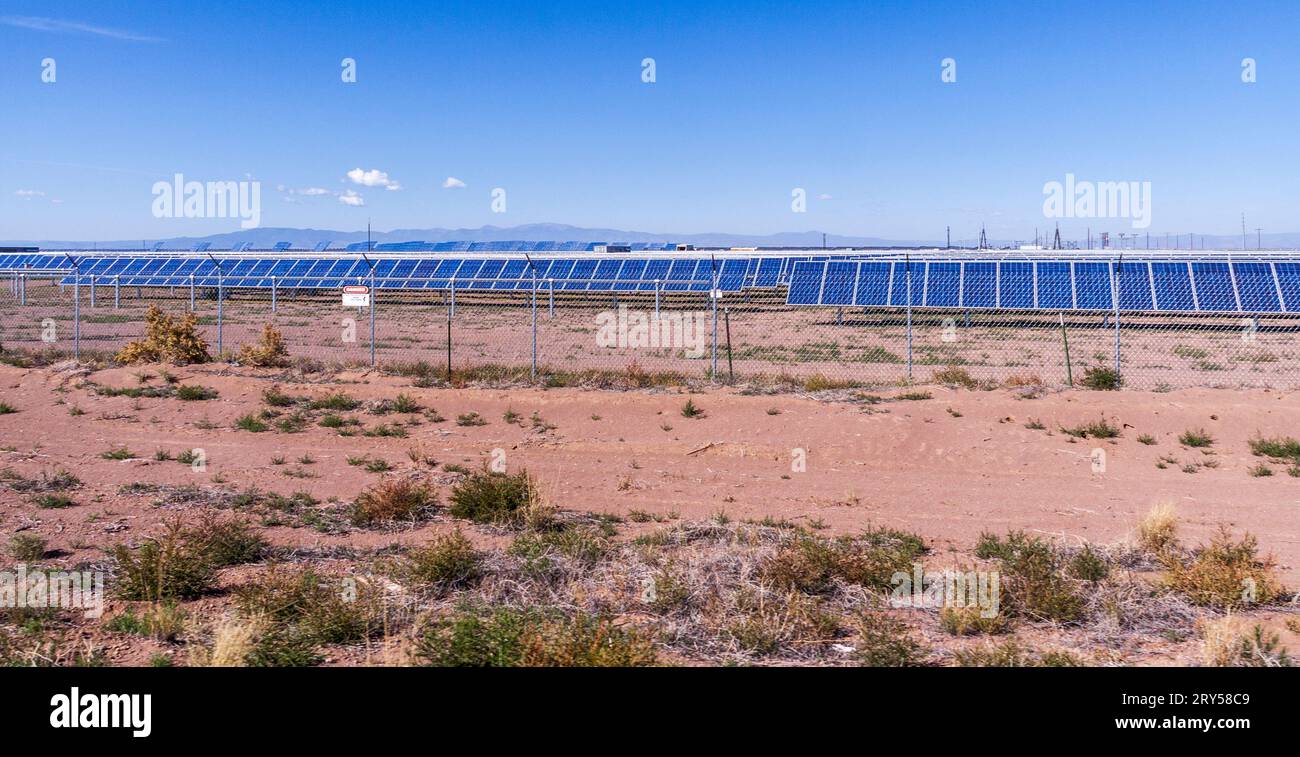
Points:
x=715 y=294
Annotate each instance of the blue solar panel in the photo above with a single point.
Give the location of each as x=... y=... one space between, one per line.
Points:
x=1173 y=286
x=979 y=285
x=1092 y=286
x=1257 y=286
x=943 y=285
x=1214 y=290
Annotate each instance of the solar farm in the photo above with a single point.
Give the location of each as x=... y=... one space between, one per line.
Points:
x=853 y=317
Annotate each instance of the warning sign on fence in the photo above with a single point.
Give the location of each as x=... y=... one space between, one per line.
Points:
x=356 y=296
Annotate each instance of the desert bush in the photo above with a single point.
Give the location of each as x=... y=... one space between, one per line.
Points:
x=1230 y=642
x=507 y=637
x=1157 y=532
x=269 y=351
x=1033 y=577
x=316 y=608
x=1012 y=654
x=227 y=541
x=954 y=376
x=394 y=499
x=1101 y=378
x=25 y=547
x=885 y=642
x=812 y=565
x=165 y=567
x=194 y=393
x=166 y=340
x=970 y=620
x=163 y=621
x=1195 y=437
x=487 y=496
x=445 y=564
x=1226 y=574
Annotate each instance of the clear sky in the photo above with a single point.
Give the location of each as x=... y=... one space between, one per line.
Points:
x=751 y=100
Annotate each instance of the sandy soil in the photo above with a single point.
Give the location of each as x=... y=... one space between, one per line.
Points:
x=948 y=467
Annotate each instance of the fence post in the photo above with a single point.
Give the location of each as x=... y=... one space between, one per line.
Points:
x=908 y=265
x=76 y=317
x=451 y=313
x=221 y=296
x=274 y=287
x=374 y=301
x=22 y=289
x=713 y=295
x=117 y=292
x=191 y=293
x=552 y=299
x=92 y=291
x=656 y=298
x=1114 y=296
x=534 y=323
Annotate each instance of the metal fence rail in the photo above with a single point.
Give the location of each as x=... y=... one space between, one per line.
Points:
x=688 y=328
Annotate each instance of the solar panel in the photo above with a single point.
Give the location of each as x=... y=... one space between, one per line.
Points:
x=282 y=246
x=321 y=246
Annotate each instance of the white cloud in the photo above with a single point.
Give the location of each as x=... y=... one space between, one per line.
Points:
x=373 y=178
x=30 y=193
x=313 y=191
x=824 y=197
x=42 y=24
x=453 y=183
x=352 y=198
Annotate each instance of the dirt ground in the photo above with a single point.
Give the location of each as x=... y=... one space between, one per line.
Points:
x=948 y=466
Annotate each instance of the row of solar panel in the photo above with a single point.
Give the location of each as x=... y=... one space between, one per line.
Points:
x=584 y=274
x=1153 y=285
x=506 y=246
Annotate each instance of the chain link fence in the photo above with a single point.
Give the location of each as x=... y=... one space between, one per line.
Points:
x=550 y=332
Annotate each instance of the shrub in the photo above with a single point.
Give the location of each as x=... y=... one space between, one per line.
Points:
x=276 y=398
x=227 y=542
x=6 y=408
x=447 y=563
x=193 y=393
x=166 y=340
x=491 y=497
x=885 y=642
x=970 y=620
x=812 y=565
x=1226 y=574
x=405 y=403
x=1228 y=643
x=269 y=351
x=507 y=637
x=334 y=401
x=163 y=621
x=1101 y=378
x=691 y=410
x=1011 y=654
x=25 y=547
x=1196 y=438
x=166 y=567
x=1033 y=577
x=1089 y=565
x=53 y=501
x=393 y=499
x=251 y=423
x=1098 y=429
x=954 y=376
x=1158 y=530
x=311 y=606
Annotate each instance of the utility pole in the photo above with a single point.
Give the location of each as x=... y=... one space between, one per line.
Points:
x=1259 y=239
x=947 y=245
x=1243 y=231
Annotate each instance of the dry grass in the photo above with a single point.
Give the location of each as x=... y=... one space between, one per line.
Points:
x=270 y=351
x=1232 y=642
x=166 y=340
x=1226 y=573
x=1157 y=532
x=394 y=499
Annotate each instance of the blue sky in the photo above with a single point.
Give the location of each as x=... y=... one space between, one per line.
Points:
x=751 y=100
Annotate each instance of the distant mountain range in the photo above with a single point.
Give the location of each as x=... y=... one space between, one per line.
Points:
x=264 y=238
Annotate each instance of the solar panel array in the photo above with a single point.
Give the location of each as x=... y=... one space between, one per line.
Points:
x=1208 y=284
x=588 y=273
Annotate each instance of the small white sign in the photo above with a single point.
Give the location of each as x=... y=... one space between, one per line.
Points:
x=355 y=296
